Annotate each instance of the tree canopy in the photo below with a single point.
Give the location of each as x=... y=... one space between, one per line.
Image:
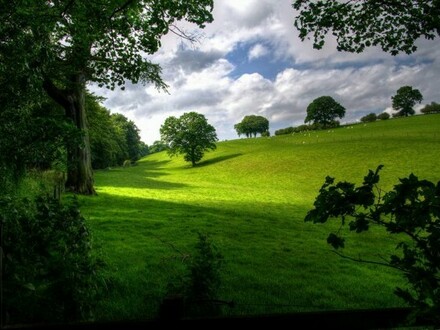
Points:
x=323 y=111
x=405 y=99
x=431 y=108
x=252 y=125
x=190 y=135
x=395 y=26
x=59 y=46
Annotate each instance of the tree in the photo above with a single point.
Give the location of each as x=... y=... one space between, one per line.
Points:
x=157 y=146
x=190 y=135
x=405 y=99
x=324 y=110
x=369 y=118
x=383 y=116
x=393 y=25
x=130 y=133
x=411 y=211
x=252 y=125
x=431 y=108
x=60 y=46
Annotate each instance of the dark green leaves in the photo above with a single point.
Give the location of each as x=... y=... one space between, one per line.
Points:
x=411 y=209
x=190 y=135
x=335 y=241
x=324 y=110
x=393 y=25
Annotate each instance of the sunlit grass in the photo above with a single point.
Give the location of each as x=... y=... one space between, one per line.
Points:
x=251 y=196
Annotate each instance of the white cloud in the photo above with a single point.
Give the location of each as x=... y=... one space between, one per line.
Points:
x=257 y=51
x=200 y=76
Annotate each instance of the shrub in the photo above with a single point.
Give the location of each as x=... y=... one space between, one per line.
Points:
x=49 y=273
x=195 y=292
x=284 y=131
x=431 y=108
x=383 y=116
x=369 y=118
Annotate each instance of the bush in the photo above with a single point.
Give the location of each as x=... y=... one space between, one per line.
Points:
x=195 y=293
x=49 y=273
x=371 y=117
x=284 y=131
x=383 y=116
x=431 y=108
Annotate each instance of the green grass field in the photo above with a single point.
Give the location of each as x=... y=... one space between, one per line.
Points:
x=251 y=196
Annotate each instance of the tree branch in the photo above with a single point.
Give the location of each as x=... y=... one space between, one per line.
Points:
x=57 y=94
x=367 y=261
x=117 y=10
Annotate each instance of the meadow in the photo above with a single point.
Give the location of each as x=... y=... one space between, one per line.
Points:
x=251 y=196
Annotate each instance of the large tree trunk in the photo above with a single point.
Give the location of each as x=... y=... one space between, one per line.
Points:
x=79 y=164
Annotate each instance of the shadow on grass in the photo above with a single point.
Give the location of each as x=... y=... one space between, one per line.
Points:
x=218 y=159
x=141 y=176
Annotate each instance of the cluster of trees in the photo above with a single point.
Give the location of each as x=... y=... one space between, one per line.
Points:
x=253 y=125
x=431 y=108
x=114 y=139
x=371 y=117
x=56 y=47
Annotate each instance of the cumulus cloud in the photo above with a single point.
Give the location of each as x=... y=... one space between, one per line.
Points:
x=257 y=51
x=200 y=76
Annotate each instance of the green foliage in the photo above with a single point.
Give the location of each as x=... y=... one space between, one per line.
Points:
x=190 y=135
x=34 y=136
x=285 y=131
x=252 y=125
x=130 y=135
x=323 y=111
x=204 y=278
x=113 y=138
x=49 y=273
x=157 y=146
x=431 y=108
x=411 y=209
x=371 y=117
x=383 y=116
x=395 y=26
x=59 y=46
x=405 y=99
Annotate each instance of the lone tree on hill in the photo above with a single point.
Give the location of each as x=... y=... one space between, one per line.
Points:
x=59 y=46
x=252 y=125
x=392 y=25
x=323 y=111
x=190 y=135
x=405 y=99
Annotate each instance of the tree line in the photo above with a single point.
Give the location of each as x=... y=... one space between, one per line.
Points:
x=323 y=111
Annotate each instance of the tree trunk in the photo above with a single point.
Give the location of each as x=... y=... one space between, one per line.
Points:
x=79 y=164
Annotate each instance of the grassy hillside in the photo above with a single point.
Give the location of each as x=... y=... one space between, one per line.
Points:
x=251 y=196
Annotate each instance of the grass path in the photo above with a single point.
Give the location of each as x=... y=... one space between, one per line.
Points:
x=251 y=196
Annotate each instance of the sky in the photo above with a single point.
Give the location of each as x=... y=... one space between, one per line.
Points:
x=250 y=61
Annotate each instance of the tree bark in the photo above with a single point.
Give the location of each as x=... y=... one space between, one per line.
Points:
x=79 y=164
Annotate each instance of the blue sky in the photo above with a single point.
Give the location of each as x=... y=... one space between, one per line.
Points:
x=251 y=61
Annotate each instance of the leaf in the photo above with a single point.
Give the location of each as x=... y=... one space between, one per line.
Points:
x=335 y=241
x=29 y=286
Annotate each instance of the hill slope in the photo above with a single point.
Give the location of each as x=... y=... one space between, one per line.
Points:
x=251 y=196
